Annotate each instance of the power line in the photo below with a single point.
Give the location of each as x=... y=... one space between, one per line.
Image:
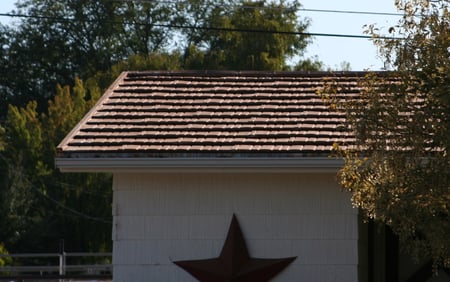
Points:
x=78 y=190
x=272 y=31
x=73 y=211
x=297 y=33
x=270 y=7
x=352 y=12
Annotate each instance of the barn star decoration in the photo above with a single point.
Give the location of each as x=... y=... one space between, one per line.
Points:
x=234 y=263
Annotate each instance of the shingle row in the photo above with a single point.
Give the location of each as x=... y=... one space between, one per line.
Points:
x=226 y=112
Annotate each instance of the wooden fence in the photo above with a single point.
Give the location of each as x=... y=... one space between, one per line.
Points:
x=55 y=267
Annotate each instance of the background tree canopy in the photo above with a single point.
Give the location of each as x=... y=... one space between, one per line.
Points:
x=239 y=39
x=84 y=45
x=399 y=170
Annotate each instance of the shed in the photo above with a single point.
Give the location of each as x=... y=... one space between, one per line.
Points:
x=190 y=149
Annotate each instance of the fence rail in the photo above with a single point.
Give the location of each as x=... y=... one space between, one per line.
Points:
x=60 y=270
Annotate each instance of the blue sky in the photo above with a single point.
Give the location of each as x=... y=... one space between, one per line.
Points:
x=360 y=53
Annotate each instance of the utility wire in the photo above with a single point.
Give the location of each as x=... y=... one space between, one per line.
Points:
x=73 y=211
x=268 y=7
x=278 y=8
x=298 y=33
x=351 y=12
x=78 y=190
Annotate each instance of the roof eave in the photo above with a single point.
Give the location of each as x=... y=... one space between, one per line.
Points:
x=113 y=165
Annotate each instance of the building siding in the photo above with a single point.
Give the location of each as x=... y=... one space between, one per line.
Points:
x=160 y=218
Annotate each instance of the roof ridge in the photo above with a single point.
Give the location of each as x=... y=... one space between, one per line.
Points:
x=253 y=73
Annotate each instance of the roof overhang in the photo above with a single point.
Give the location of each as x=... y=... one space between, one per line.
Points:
x=173 y=165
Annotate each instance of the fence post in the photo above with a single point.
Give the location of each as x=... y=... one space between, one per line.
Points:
x=62 y=263
x=62 y=259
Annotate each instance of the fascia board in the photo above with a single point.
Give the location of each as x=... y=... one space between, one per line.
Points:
x=311 y=164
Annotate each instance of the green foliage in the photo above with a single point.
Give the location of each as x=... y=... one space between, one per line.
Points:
x=65 y=111
x=309 y=64
x=4 y=260
x=153 y=61
x=23 y=149
x=145 y=25
x=40 y=205
x=399 y=169
x=2 y=138
x=24 y=127
x=343 y=66
x=247 y=47
x=75 y=38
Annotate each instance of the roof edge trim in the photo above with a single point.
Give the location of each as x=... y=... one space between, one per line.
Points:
x=318 y=164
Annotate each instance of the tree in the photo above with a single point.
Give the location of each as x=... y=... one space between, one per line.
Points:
x=39 y=205
x=5 y=89
x=143 y=62
x=15 y=195
x=147 y=26
x=309 y=64
x=75 y=39
x=247 y=35
x=398 y=169
x=4 y=260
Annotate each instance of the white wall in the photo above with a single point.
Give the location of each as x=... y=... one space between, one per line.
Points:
x=161 y=218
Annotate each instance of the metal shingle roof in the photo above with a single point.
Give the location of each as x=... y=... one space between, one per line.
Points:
x=211 y=113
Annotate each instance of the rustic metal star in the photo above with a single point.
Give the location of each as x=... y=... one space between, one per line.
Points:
x=234 y=263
